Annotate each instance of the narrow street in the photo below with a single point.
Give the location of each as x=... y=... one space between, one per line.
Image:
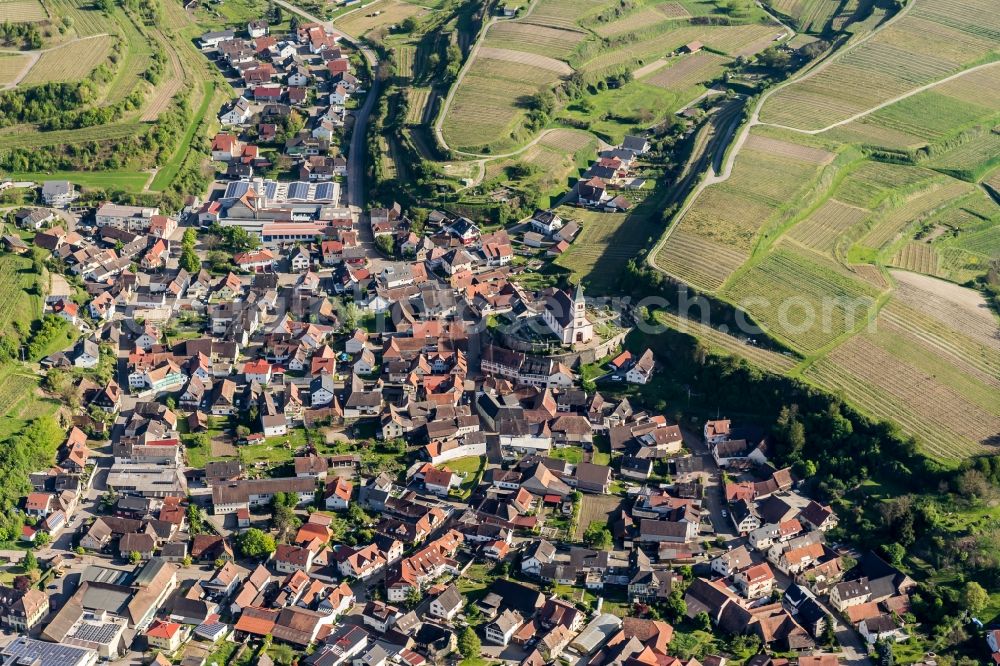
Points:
x=356 y=156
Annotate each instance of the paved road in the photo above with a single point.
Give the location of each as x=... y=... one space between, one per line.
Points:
x=357 y=154
x=713 y=500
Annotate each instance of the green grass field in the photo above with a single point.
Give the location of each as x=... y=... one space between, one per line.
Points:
x=167 y=171
x=605 y=244
x=20 y=400
x=129 y=181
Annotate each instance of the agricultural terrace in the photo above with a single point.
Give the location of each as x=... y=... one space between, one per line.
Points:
x=871 y=184
x=958 y=111
x=382 y=14
x=22 y=11
x=928 y=41
x=92 y=33
x=531 y=38
x=807 y=15
x=970 y=160
x=931 y=361
x=915 y=208
x=597 y=39
x=768 y=176
x=69 y=62
x=917 y=257
x=11 y=66
x=827 y=225
x=686 y=72
x=488 y=106
x=932 y=364
x=802 y=302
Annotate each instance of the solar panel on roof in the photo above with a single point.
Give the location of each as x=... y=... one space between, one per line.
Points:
x=324 y=191
x=298 y=191
x=102 y=633
x=270 y=189
x=236 y=189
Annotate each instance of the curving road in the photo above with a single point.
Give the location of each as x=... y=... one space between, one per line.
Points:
x=355 y=195
x=458 y=81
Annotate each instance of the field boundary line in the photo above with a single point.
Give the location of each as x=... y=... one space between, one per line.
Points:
x=910 y=93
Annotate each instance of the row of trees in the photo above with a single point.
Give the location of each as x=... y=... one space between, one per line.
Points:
x=189 y=260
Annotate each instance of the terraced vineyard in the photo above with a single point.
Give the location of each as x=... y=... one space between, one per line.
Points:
x=728 y=217
x=11 y=66
x=932 y=364
x=70 y=62
x=872 y=183
x=689 y=71
x=918 y=207
x=377 y=15
x=562 y=13
x=605 y=243
x=697 y=260
x=715 y=339
x=970 y=160
x=827 y=224
x=808 y=15
x=530 y=38
x=417 y=102
x=597 y=39
x=85 y=45
x=22 y=11
x=486 y=107
x=917 y=257
x=800 y=302
x=932 y=40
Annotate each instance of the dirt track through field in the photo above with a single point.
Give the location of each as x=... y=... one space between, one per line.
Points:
x=33 y=57
x=525 y=58
x=951 y=304
x=164 y=92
